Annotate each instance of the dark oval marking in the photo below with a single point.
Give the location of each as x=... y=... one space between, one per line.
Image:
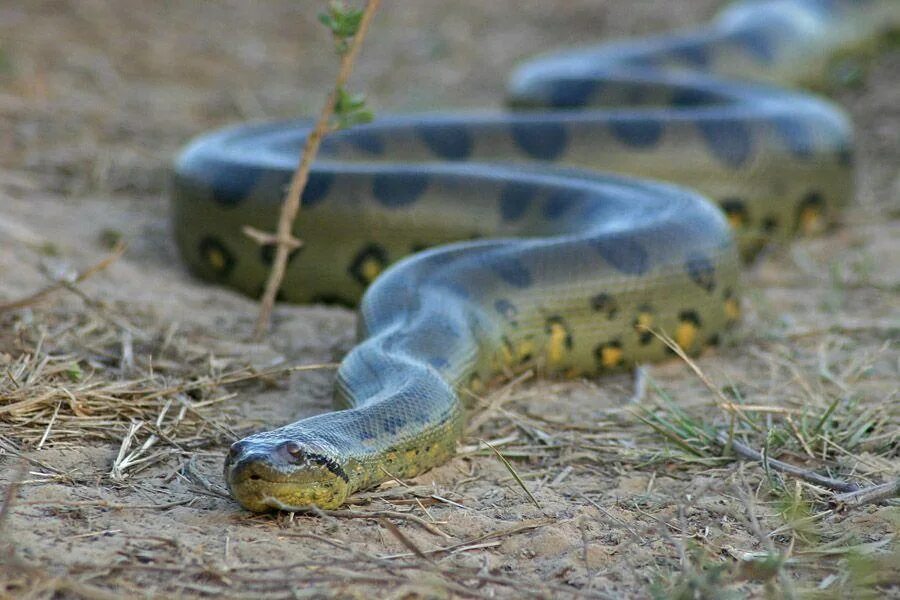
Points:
x=557 y=204
x=757 y=43
x=690 y=316
x=451 y=142
x=624 y=254
x=515 y=198
x=605 y=303
x=507 y=310
x=544 y=141
x=371 y=252
x=233 y=185
x=395 y=190
x=796 y=135
x=392 y=423
x=692 y=97
x=216 y=256
x=636 y=133
x=438 y=362
x=511 y=270
x=770 y=224
x=702 y=271
x=572 y=93
x=729 y=140
x=332 y=299
x=813 y=203
x=693 y=54
x=366 y=141
x=317 y=188
x=736 y=211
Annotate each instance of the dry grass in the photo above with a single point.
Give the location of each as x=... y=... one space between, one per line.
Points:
x=120 y=391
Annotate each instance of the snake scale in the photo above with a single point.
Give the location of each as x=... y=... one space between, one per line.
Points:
x=510 y=247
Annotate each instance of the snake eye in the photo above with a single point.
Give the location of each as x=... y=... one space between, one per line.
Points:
x=295 y=450
x=236 y=450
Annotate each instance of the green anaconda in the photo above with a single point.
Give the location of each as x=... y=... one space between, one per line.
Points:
x=510 y=246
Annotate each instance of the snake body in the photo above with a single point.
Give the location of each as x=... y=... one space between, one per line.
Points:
x=559 y=265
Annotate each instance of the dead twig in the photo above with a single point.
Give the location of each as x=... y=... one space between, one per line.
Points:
x=116 y=253
x=783 y=467
x=868 y=495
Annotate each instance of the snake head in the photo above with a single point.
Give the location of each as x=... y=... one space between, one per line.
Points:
x=267 y=471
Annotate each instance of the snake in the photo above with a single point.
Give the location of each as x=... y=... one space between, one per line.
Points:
x=618 y=197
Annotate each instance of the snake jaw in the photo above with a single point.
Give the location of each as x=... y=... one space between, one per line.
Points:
x=266 y=474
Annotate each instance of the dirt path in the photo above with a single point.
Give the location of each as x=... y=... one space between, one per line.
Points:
x=95 y=98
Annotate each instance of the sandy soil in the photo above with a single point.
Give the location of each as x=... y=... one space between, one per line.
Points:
x=95 y=99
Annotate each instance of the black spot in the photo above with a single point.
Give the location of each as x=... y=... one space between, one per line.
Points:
x=317 y=187
x=702 y=271
x=557 y=204
x=691 y=97
x=797 y=136
x=438 y=362
x=456 y=288
x=540 y=140
x=366 y=141
x=451 y=142
x=557 y=320
x=624 y=254
x=693 y=54
x=758 y=43
x=216 y=256
x=332 y=299
x=572 y=93
x=729 y=140
x=371 y=252
x=845 y=156
x=641 y=132
x=605 y=303
x=690 y=316
x=392 y=423
x=395 y=190
x=267 y=254
x=736 y=211
x=507 y=310
x=511 y=270
x=515 y=200
x=770 y=224
x=713 y=340
x=813 y=201
x=232 y=186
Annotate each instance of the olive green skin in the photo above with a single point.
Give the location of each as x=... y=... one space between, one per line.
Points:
x=578 y=264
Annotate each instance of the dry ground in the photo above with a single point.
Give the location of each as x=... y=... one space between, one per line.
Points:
x=119 y=394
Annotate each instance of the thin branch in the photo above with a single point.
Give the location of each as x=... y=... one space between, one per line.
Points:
x=868 y=495
x=291 y=206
